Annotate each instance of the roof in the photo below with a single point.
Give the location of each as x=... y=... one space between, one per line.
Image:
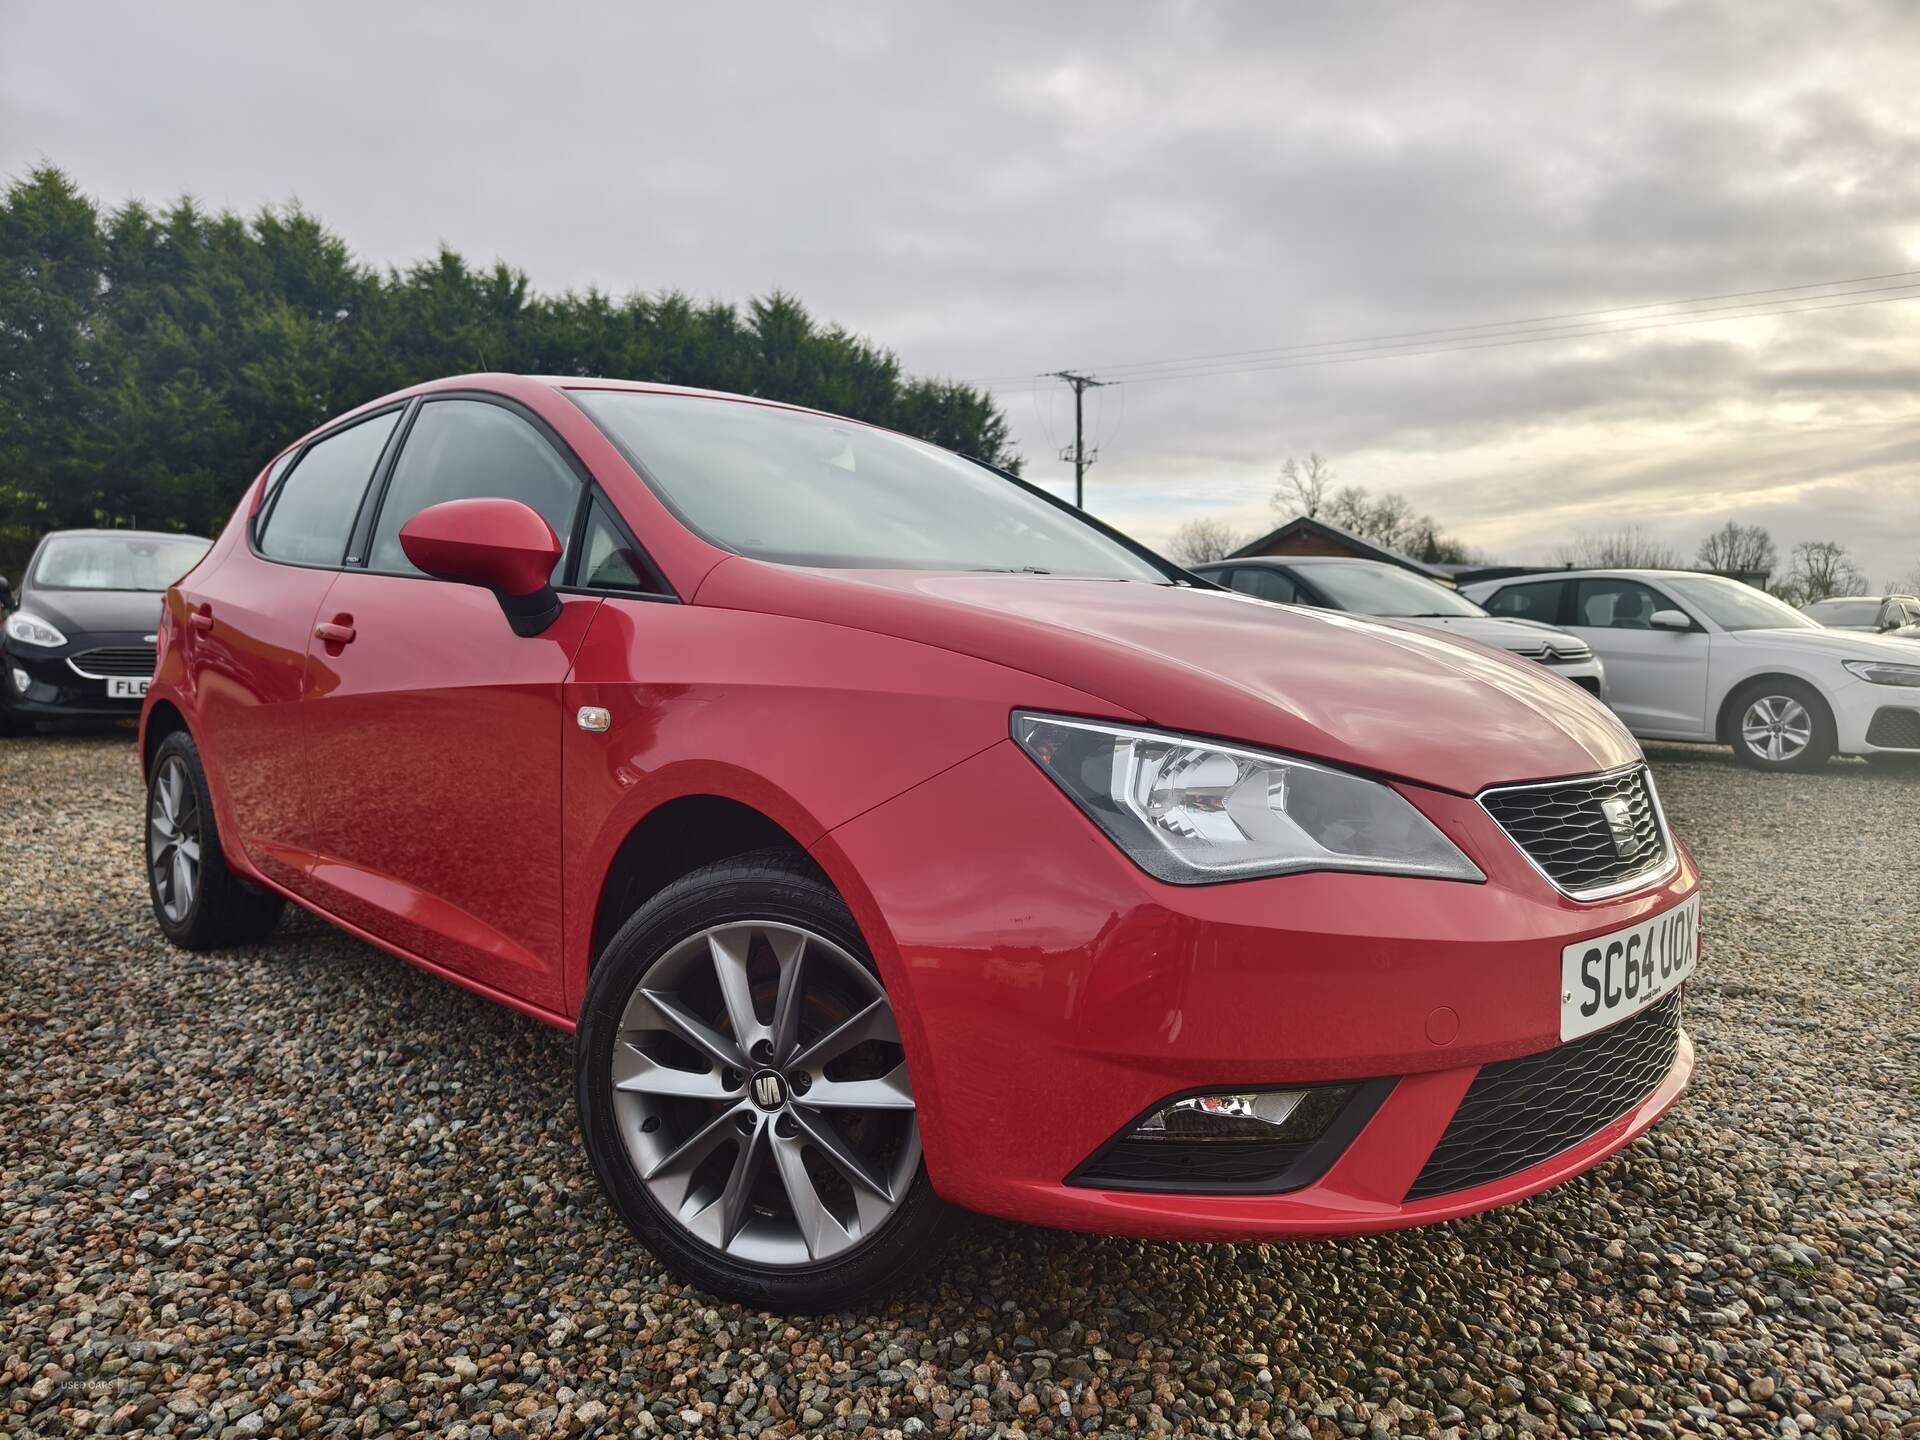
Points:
x=1325 y=530
x=122 y=534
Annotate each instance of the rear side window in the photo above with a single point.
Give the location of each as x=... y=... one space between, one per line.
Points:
x=1616 y=605
x=314 y=508
x=1538 y=601
x=1267 y=584
x=465 y=449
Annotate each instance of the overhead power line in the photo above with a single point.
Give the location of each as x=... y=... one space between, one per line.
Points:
x=1574 y=325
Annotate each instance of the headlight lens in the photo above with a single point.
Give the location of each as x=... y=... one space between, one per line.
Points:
x=32 y=630
x=1885 y=672
x=1191 y=811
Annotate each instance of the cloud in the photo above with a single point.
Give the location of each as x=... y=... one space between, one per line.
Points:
x=1008 y=189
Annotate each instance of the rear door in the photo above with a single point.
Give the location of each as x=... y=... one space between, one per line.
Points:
x=1656 y=679
x=246 y=632
x=434 y=731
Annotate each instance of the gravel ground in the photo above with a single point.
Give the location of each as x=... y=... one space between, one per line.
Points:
x=304 y=1189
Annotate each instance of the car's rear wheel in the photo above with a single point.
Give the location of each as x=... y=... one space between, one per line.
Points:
x=200 y=903
x=744 y=1095
x=1782 y=725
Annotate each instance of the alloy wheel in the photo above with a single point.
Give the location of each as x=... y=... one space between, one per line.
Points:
x=1777 y=728
x=173 y=839
x=761 y=1092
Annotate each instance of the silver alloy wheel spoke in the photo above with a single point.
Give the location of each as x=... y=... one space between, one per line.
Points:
x=759 y=1151
x=1777 y=727
x=173 y=839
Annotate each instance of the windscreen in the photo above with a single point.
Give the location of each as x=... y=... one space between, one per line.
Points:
x=116 y=562
x=804 y=489
x=1844 y=612
x=1367 y=587
x=1735 y=606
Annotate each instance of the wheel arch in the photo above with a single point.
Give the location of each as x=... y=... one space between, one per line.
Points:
x=1737 y=694
x=163 y=718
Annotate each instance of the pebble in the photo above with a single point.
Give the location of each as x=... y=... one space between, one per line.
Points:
x=301 y=1189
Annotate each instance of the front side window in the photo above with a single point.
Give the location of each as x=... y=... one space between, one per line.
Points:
x=115 y=562
x=465 y=449
x=804 y=489
x=1735 y=606
x=313 y=510
x=1616 y=604
x=1538 y=601
x=1843 y=612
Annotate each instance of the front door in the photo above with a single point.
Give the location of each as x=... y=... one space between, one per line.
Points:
x=433 y=731
x=1656 y=679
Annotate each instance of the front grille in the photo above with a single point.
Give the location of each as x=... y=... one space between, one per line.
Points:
x=1518 y=1113
x=1563 y=829
x=1571 y=655
x=1895 y=728
x=133 y=662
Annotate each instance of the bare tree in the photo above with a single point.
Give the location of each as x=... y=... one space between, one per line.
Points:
x=1206 y=538
x=1302 y=488
x=1743 y=549
x=1821 y=568
x=1628 y=548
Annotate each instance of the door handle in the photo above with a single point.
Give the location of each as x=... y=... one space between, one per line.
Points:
x=201 y=619
x=334 y=633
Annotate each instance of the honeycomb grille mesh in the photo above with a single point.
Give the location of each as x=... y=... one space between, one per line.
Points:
x=1895 y=728
x=1518 y=1113
x=1565 y=831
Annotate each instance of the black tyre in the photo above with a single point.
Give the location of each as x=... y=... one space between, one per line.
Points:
x=744 y=1095
x=12 y=724
x=199 y=902
x=1780 y=724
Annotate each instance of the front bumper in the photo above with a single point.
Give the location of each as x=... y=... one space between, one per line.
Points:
x=1874 y=719
x=1054 y=993
x=54 y=690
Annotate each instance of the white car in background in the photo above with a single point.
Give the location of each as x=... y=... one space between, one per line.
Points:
x=1876 y=615
x=1702 y=657
x=1373 y=587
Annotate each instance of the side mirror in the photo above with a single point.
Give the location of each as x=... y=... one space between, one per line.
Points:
x=501 y=545
x=1668 y=620
x=6 y=594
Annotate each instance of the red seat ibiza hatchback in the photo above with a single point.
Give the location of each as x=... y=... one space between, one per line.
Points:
x=893 y=837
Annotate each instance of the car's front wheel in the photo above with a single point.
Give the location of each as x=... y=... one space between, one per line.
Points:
x=1782 y=725
x=744 y=1094
x=200 y=903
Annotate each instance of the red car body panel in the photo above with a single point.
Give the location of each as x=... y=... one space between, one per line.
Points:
x=424 y=784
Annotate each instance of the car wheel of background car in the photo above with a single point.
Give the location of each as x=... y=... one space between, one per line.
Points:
x=199 y=902
x=744 y=1096
x=1781 y=725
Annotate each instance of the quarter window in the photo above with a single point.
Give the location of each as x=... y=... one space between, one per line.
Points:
x=314 y=507
x=465 y=449
x=1538 y=601
x=610 y=563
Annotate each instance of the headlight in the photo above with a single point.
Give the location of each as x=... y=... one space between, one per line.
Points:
x=1193 y=811
x=1885 y=672
x=32 y=630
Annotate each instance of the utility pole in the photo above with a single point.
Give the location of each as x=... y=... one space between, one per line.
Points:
x=1079 y=454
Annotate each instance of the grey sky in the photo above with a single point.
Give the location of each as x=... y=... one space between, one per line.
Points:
x=1003 y=189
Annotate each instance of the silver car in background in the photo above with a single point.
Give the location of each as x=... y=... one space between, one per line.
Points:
x=1373 y=587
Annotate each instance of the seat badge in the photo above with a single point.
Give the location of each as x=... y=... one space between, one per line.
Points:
x=1619 y=822
x=593 y=719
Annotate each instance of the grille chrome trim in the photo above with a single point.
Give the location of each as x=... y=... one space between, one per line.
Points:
x=116 y=662
x=1659 y=873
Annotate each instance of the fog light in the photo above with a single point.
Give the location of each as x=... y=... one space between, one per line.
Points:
x=1247 y=1115
x=21 y=680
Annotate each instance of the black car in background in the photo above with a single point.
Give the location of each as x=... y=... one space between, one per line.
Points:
x=79 y=634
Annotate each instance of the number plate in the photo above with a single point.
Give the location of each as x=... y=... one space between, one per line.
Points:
x=1613 y=976
x=119 y=689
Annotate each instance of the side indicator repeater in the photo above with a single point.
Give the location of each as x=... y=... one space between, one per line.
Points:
x=594 y=719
